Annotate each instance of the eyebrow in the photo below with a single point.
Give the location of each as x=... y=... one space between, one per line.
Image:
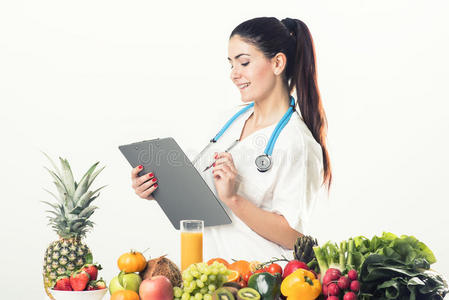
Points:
x=237 y=56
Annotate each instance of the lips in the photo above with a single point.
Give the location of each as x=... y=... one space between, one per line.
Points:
x=243 y=85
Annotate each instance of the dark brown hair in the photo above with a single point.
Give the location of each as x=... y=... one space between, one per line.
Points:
x=293 y=38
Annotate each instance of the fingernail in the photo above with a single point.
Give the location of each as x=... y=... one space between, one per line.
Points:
x=216 y=155
x=155 y=185
x=140 y=167
x=154 y=179
x=213 y=165
x=151 y=174
x=213 y=171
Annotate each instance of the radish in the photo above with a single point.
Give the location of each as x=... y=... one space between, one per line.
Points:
x=343 y=282
x=332 y=298
x=324 y=290
x=333 y=289
x=327 y=279
x=333 y=273
x=352 y=274
x=349 y=296
x=355 y=286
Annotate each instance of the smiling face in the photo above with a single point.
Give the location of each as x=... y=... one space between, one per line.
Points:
x=250 y=66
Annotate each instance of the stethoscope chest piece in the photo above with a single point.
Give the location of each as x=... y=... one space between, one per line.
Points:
x=263 y=163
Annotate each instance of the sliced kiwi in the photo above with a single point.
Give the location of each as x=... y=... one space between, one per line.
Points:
x=233 y=290
x=248 y=294
x=222 y=294
x=232 y=284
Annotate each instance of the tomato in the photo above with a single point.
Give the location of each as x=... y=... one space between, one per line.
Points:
x=275 y=268
x=246 y=276
x=261 y=270
x=243 y=284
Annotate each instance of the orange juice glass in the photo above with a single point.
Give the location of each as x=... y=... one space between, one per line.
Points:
x=191 y=242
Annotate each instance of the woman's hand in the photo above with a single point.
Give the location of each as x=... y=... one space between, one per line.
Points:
x=225 y=174
x=143 y=185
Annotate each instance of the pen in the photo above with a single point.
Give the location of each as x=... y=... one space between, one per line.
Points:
x=227 y=150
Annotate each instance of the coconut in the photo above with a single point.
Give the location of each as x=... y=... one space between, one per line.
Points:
x=162 y=266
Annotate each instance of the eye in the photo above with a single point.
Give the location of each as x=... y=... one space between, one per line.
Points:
x=244 y=64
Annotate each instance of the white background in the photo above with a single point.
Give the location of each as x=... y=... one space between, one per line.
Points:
x=79 y=78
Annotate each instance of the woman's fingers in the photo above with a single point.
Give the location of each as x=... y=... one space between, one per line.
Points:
x=143 y=187
x=136 y=171
x=146 y=194
x=224 y=171
x=138 y=181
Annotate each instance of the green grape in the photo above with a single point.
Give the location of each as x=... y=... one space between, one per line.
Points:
x=212 y=278
x=177 y=299
x=208 y=270
x=199 y=283
x=192 y=297
x=211 y=287
x=185 y=296
x=177 y=292
x=189 y=277
x=203 y=278
x=196 y=274
x=204 y=290
x=215 y=271
x=192 y=285
x=222 y=269
x=207 y=297
x=198 y=296
x=215 y=263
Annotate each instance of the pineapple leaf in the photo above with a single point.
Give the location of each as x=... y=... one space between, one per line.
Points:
x=94 y=175
x=58 y=199
x=55 y=206
x=58 y=180
x=84 y=198
x=52 y=163
x=96 y=191
x=67 y=176
x=87 y=212
x=84 y=182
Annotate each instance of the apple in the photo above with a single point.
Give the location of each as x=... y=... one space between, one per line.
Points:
x=158 y=287
x=125 y=281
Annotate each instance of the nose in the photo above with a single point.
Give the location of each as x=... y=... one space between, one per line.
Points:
x=235 y=73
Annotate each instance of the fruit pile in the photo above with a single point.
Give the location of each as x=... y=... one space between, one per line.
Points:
x=84 y=279
x=201 y=280
x=155 y=279
x=337 y=286
x=127 y=282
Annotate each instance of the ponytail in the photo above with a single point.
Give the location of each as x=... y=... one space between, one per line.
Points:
x=303 y=79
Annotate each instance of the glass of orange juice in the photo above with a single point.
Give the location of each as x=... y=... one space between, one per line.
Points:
x=191 y=242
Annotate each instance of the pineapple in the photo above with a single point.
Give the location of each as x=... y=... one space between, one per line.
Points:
x=70 y=219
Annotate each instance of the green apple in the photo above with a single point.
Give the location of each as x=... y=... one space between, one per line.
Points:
x=125 y=281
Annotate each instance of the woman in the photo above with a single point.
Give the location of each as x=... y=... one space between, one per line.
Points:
x=270 y=59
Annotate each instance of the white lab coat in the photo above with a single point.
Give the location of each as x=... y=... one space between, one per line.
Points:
x=290 y=188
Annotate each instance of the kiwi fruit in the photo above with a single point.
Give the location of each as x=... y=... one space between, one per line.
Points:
x=248 y=294
x=222 y=294
x=232 y=284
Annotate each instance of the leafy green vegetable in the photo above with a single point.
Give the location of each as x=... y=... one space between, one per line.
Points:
x=387 y=278
x=352 y=253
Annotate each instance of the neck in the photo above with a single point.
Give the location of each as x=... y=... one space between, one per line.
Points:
x=269 y=110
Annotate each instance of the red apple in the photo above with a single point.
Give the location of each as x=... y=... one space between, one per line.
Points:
x=158 y=287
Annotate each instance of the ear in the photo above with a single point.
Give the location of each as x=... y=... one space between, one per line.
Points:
x=279 y=62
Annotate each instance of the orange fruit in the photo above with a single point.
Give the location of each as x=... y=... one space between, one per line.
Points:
x=220 y=260
x=125 y=295
x=241 y=266
x=234 y=276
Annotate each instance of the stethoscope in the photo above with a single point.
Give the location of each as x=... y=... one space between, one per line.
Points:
x=263 y=161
